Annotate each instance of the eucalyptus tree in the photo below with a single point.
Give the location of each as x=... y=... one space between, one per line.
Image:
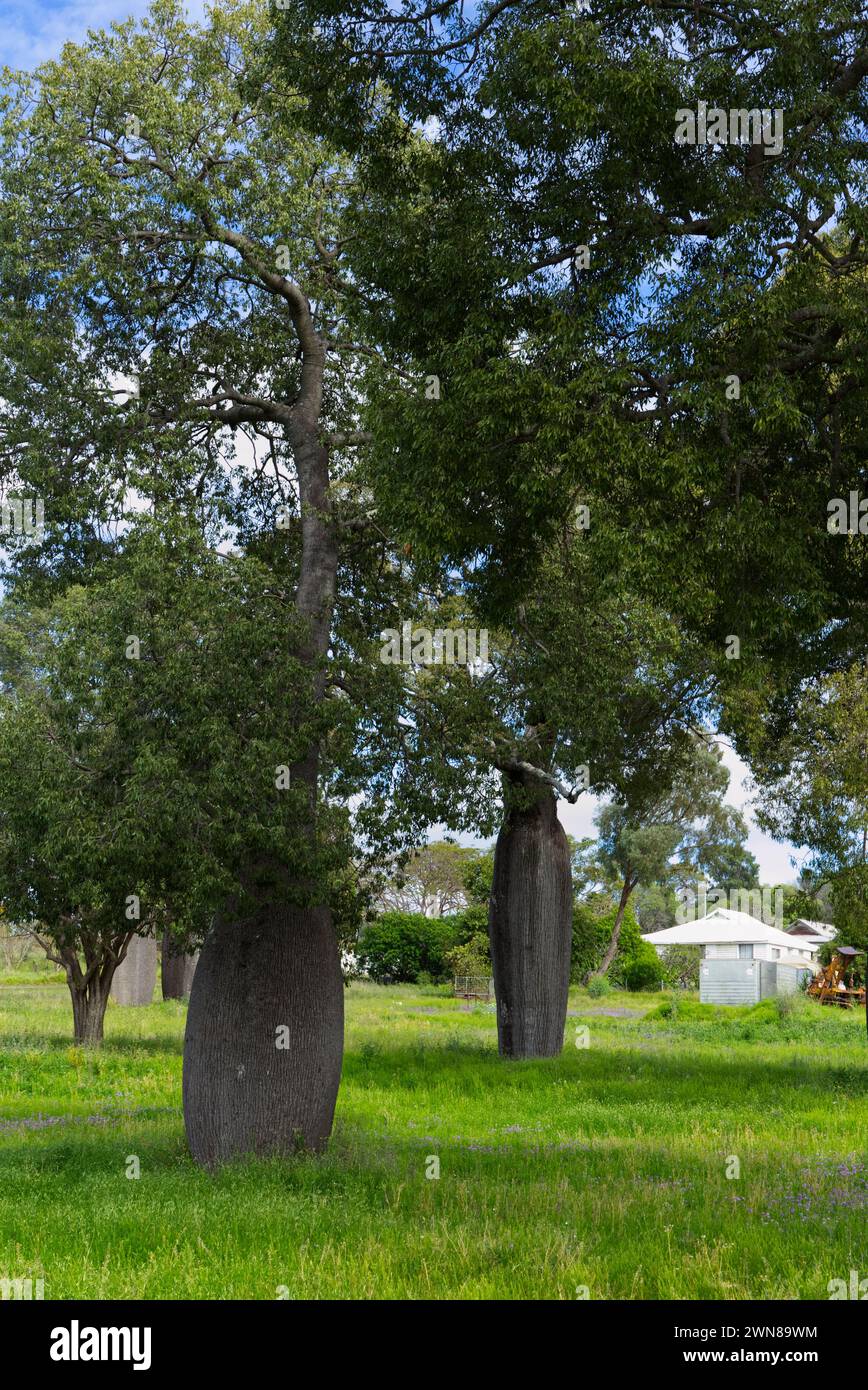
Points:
x=811 y=786
x=664 y=828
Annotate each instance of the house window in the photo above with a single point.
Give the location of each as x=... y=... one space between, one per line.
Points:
x=776 y=953
x=745 y=952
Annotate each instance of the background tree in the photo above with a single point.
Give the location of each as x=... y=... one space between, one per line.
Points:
x=432 y=881
x=659 y=833
x=811 y=785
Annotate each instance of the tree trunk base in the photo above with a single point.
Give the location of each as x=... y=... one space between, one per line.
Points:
x=264 y=1042
x=530 y=929
x=88 y=1013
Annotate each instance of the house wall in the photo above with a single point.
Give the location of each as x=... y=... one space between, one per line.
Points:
x=762 y=950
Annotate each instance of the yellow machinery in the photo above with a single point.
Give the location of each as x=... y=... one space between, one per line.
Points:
x=835 y=983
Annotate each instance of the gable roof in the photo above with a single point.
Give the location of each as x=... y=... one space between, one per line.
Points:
x=724 y=925
x=812 y=931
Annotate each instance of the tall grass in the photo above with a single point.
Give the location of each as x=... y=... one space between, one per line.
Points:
x=604 y=1170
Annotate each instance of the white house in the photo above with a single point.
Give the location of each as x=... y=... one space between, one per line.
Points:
x=728 y=935
x=743 y=959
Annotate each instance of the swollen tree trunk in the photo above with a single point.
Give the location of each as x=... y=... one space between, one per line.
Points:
x=612 y=948
x=178 y=970
x=264 y=1041
x=530 y=926
x=136 y=975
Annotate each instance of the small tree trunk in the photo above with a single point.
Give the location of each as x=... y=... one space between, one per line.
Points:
x=612 y=948
x=136 y=975
x=264 y=1041
x=530 y=929
x=178 y=970
x=89 y=1006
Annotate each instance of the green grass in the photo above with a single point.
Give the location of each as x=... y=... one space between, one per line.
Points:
x=603 y=1168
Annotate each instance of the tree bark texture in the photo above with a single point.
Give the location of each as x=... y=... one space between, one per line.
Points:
x=177 y=970
x=530 y=929
x=264 y=1042
x=88 y=1010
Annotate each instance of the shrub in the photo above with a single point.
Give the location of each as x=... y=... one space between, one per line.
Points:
x=598 y=987
x=471 y=957
x=681 y=966
x=593 y=923
x=592 y=929
x=470 y=925
x=398 y=947
x=645 y=970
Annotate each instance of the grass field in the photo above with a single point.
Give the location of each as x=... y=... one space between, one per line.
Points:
x=604 y=1170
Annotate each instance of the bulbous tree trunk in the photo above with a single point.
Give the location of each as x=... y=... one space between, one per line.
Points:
x=264 y=1041
x=177 y=970
x=530 y=929
x=136 y=976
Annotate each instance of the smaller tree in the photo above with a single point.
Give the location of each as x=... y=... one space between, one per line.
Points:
x=77 y=836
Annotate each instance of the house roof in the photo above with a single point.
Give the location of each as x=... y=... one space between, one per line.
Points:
x=724 y=925
x=811 y=931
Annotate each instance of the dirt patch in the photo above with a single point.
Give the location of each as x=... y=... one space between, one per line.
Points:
x=605 y=1013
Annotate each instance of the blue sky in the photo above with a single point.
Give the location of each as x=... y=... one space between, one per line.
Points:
x=33 y=32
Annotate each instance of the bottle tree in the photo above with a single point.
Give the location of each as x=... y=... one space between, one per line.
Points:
x=175 y=342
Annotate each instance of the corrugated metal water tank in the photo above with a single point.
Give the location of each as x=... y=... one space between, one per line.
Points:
x=746 y=981
x=730 y=981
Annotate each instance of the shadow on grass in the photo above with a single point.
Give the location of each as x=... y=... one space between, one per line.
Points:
x=666 y=1073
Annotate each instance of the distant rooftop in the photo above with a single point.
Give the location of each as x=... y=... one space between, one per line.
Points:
x=812 y=931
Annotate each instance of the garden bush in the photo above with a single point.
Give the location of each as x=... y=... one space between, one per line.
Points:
x=593 y=922
x=398 y=947
x=645 y=970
